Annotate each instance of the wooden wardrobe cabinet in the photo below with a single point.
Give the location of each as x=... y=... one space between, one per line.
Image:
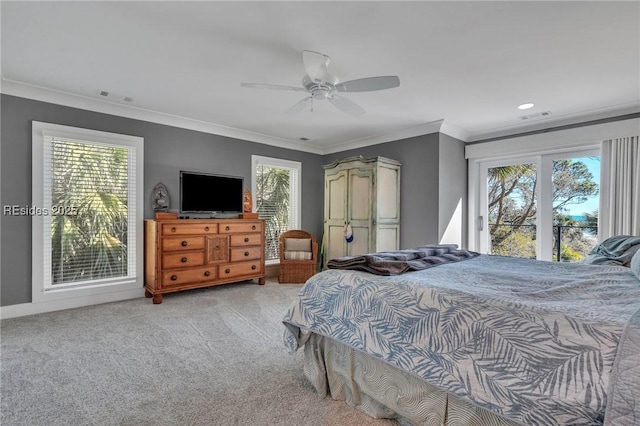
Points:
x=183 y=254
x=363 y=193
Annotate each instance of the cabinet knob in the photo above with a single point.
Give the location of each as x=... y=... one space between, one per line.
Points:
x=174 y=277
x=227 y=228
x=217 y=247
x=206 y=228
x=173 y=229
x=207 y=273
x=184 y=244
x=253 y=267
x=183 y=260
x=246 y=240
x=227 y=271
x=246 y=253
x=253 y=227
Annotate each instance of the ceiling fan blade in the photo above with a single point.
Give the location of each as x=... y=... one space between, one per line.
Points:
x=272 y=86
x=369 y=84
x=346 y=105
x=306 y=102
x=316 y=65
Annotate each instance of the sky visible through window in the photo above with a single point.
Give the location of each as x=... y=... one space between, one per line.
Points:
x=591 y=205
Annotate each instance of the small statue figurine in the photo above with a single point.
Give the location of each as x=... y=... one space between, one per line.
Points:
x=160 y=198
x=248 y=202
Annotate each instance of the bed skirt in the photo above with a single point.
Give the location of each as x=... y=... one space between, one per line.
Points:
x=383 y=391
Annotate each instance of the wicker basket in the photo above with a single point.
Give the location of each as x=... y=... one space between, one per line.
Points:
x=297 y=271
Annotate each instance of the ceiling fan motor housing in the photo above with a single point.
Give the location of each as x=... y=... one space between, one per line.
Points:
x=319 y=90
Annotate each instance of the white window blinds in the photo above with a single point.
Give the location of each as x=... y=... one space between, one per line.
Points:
x=276 y=189
x=89 y=211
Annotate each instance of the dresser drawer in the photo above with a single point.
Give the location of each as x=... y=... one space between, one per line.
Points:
x=185 y=276
x=189 y=228
x=247 y=253
x=246 y=240
x=235 y=227
x=182 y=243
x=183 y=260
x=239 y=269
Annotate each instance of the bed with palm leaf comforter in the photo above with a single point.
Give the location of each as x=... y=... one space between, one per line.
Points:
x=529 y=341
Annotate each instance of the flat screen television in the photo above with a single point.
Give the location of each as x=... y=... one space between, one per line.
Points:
x=212 y=194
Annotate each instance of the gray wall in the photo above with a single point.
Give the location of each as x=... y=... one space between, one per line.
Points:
x=452 y=199
x=167 y=150
x=418 y=187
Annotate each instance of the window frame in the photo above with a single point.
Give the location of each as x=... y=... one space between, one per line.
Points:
x=544 y=191
x=547 y=142
x=296 y=208
x=87 y=292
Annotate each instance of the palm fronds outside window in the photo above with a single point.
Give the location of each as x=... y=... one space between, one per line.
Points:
x=277 y=199
x=89 y=198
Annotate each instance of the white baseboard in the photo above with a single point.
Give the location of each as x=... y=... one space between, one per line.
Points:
x=23 y=309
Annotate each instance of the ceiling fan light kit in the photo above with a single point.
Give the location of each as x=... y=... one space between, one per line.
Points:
x=321 y=85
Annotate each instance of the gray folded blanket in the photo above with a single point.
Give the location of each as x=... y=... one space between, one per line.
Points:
x=401 y=261
x=616 y=250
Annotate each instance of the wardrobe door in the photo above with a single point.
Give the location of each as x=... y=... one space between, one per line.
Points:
x=360 y=211
x=335 y=214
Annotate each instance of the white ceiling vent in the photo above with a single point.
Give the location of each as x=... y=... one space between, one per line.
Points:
x=114 y=96
x=536 y=115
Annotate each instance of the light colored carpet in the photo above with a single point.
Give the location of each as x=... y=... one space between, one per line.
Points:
x=203 y=357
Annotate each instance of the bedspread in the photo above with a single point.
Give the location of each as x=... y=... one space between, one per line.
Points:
x=529 y=340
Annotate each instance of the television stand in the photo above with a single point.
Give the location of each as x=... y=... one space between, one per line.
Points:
x=184 y=254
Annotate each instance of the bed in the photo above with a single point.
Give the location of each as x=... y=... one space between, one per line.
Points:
x=482 y=340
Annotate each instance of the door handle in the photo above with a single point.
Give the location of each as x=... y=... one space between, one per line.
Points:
x=480 y=223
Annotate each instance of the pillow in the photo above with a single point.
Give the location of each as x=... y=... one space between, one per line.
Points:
x=297 y=244
x=635 y=264
x=617 y=250
x=297 y=255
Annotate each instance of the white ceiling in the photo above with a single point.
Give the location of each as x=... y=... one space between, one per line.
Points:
x=465 y=65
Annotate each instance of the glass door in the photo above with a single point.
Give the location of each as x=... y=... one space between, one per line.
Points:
x=511 y=209
x=542 y=207
x=575 y=197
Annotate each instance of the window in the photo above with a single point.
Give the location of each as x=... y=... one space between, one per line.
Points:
x=565 y=169
x=87 y=206
x=275 y=185
x=543 y=206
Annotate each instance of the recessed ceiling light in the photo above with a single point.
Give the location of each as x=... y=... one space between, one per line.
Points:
x=526 y=106
x=304 y=139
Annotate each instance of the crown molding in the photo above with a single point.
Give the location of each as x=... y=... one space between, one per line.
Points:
x=14 y=88
x=589 y=136
x=409 y=132
x=43 y=94
x=556 y=121
x=455 y=131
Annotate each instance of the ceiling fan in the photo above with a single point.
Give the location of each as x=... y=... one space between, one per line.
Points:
x=320 y=84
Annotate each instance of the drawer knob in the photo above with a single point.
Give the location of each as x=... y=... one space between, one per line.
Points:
x=174 y=277
x=217 y=247
x=253 y=227
x=206 y=228
x=173 y=229
x=227 y=271
x=246 y=253
x=207 y=273
x=183 y=260
x=227 y=228
x=184 y=244
x=246 y=240
x=253 y=267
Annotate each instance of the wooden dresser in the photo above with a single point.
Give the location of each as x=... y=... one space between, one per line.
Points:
x=183 y=254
